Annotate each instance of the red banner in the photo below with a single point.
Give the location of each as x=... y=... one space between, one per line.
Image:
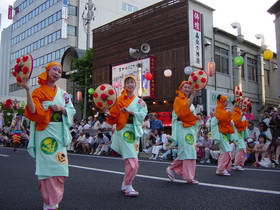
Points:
x=10 y=12
x=165 y=118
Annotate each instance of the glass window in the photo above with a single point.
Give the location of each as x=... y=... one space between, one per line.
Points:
x=54 y=36
x=49 y=38
x=47 y=4
x=57 y=54
x=71 y=30
x=53 y=56
x=49 y=57
x=51 y=2
x=50 y=20
x=252 y=69
x=42 y=42
x=61 y=51
x=72 y=10
x=40 y=8
x=41 y=60
x=45 y=59
x=58 y=34
x=222 y=60
x=46 y=21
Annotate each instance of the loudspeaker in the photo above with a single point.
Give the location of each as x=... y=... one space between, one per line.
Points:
x=145 y=48
x=133 y=52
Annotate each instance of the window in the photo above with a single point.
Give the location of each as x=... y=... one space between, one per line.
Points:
x=71 y=30
x=267 y=77
x=49 y=39
x=57 y=54
x=49 y=57
x=58 y=35
x=53 y=56
x=252 y=69
x=222 y=60
x=72 y=10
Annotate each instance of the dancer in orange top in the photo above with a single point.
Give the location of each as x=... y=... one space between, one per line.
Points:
x=221 y=131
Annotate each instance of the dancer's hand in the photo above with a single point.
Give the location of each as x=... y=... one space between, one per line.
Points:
x=24 y=84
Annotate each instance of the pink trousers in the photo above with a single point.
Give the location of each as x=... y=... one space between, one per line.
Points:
x=131 y=166
x=184 y=168
x=52 y=190
x=240 y=158
x=224 y=162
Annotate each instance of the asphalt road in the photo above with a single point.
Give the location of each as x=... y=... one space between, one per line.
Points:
x=94 y=183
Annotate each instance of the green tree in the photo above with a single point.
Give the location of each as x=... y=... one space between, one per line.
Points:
x=83 y=77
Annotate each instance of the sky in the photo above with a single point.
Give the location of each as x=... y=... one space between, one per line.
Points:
x=251 y=14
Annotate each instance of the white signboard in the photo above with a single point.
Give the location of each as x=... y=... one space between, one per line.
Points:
x=212 y=98
x=136 y=68
x=195 y=41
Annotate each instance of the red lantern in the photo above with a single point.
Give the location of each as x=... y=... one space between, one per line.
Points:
x=148 y=76
x=211 y=68
x=79 y=96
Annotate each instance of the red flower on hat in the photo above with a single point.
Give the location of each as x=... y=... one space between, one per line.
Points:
x=99 y=104
x=95 y=95
x=203 y=80
x=18 y=60
x=25 y=58
x=17 y=68
x=192 y=74
x=196 y=86
x=189 y=82
x=200 y=72
x=109 y=102
x=14 y=73
x=111 y=92
x=195 y=78
x=19 y=80
x=104 y=96
x=102 y=87
x=25 y=70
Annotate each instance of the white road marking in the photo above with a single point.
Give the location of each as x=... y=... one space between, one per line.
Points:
x=181 y=181
x=167 y=163
x=2 y=155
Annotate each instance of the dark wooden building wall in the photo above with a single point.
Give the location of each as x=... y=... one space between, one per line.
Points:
x=164 y=26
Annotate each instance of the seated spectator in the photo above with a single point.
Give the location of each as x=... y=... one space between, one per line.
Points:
x=103 y=143
x=250 y=150
x=264 y=130
x=83 y=141
x=160 y=142
x=260 y=149
x=171 y=151
x=253 y=131
x=204 y=144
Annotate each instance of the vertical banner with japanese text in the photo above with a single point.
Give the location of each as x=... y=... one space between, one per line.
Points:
x=195 y=38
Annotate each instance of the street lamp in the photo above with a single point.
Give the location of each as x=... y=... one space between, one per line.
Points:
x=260 y=57
x=237 y=69
x=87 y=16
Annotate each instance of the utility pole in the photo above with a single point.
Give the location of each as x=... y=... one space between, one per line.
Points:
x=237 y=70
x=88 y=16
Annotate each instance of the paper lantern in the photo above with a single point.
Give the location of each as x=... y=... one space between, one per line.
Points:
x=79 y=96
x=167 y=73
x=90 y=91
x=267 y=54
x=188 y=70
x=238 y=61
x=211 y=68
x=148 y=76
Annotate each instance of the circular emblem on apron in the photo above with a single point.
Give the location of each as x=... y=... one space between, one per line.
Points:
x=56 y=117
x=189 y=139
x=49 y=145
x=129 y=136
x=61 y=157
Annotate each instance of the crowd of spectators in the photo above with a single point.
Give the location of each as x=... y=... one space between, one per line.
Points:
x=93 y=136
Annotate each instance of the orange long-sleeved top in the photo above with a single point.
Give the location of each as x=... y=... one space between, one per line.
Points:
x=41 y=116
x=116 y=115
x=224 y=118
x=182 y=110
x=240 y=124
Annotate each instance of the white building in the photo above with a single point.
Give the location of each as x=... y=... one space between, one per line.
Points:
x=43 y=30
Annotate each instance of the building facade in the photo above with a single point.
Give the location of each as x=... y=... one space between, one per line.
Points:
x=43 y=29
x=181 y=34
